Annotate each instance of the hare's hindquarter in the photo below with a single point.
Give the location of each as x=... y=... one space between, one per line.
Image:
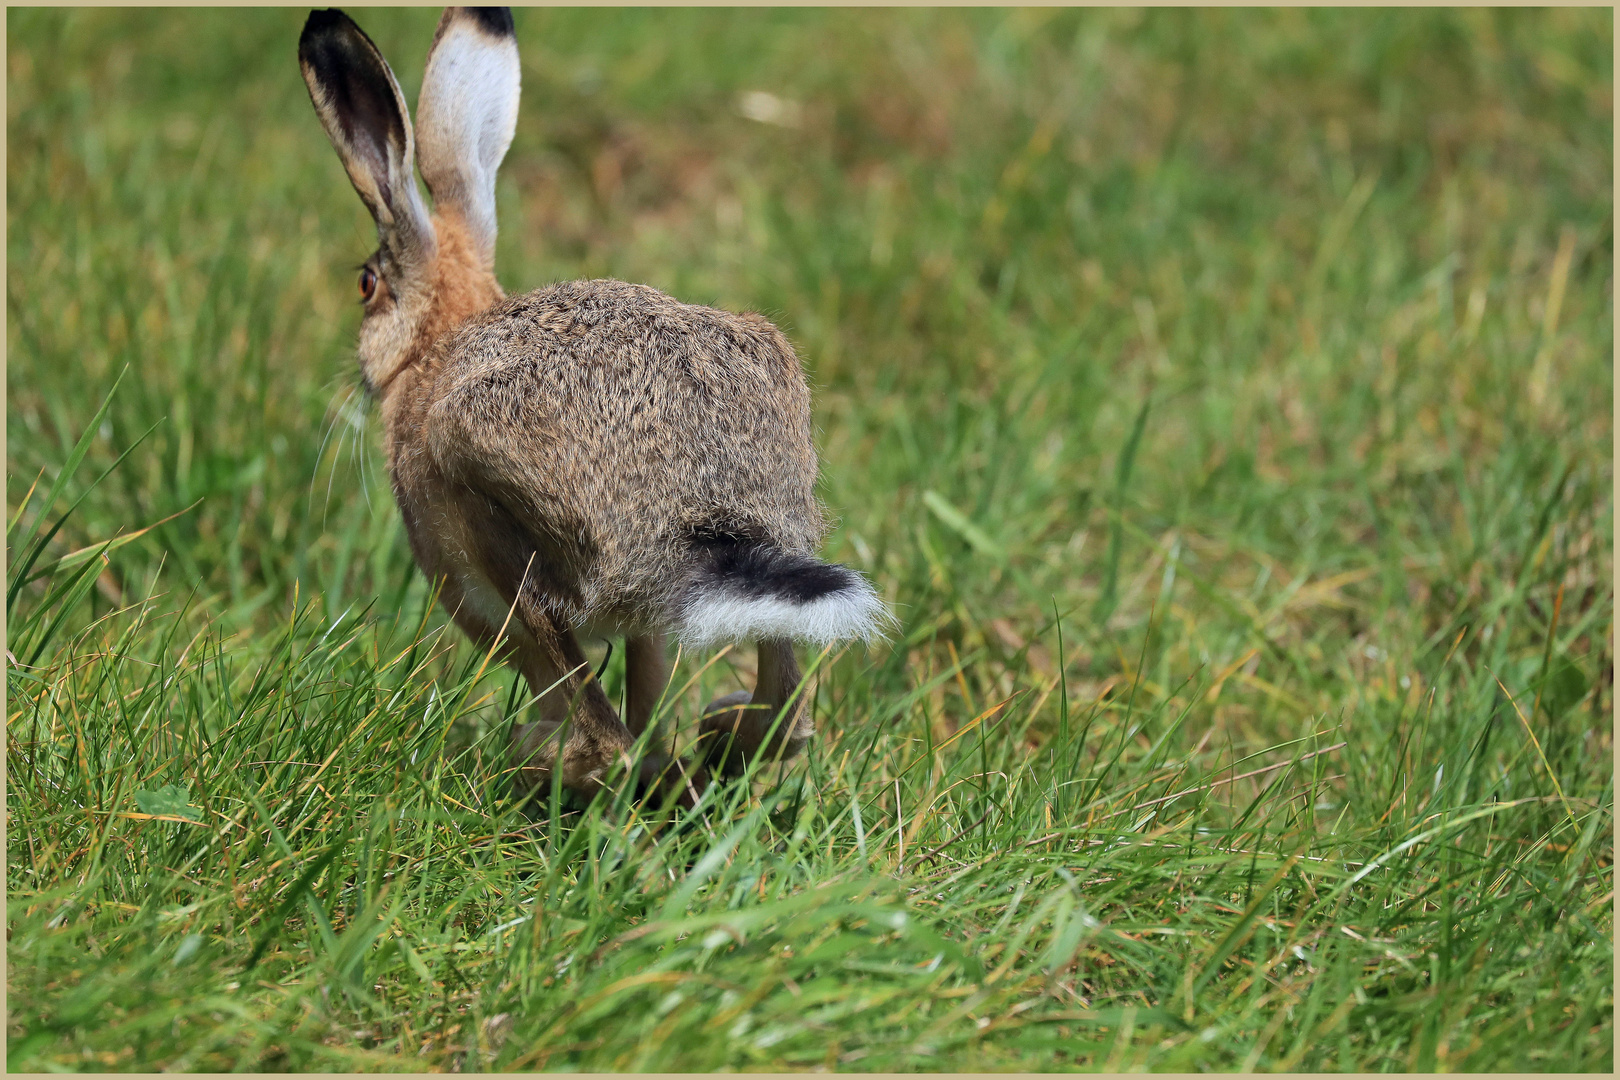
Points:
x=593 y=456
x=650 y=449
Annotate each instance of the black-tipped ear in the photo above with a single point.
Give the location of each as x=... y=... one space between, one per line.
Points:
x=466 y=115
x=494 y=21
x=361 y=107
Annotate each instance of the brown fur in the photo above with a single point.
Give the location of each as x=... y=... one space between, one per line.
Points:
x=554 y=454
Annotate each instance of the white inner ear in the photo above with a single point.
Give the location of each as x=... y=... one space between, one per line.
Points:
x=464 y=122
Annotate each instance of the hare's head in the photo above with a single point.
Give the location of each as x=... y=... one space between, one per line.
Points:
x=429 y=273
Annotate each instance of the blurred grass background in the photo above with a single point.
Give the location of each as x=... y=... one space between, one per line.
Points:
x=1204 y=388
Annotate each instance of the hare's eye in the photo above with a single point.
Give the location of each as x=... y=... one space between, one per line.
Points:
x=368 y=283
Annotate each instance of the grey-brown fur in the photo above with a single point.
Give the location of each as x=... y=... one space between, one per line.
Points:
x=615 y=422
x=589 y=457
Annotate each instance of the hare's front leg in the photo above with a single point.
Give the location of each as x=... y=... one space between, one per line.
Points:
x=742 y=727
x=646 y=676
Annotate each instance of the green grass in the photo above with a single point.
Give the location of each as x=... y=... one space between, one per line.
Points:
x=1222 y=398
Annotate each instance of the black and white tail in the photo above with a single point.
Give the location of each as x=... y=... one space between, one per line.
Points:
x=748 y=591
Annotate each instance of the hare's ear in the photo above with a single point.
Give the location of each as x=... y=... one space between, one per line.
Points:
x=466 y=115
x=360 y=105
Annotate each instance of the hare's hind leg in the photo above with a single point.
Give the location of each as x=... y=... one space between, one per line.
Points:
x=578 y=735
x=578 y=713
x=573 y=709
x=741 y=727
x=566 y=691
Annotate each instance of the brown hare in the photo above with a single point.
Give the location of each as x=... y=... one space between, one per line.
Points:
x=590 y=458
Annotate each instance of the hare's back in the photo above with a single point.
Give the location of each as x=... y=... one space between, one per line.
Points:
x=624 y=337
x=633 y=417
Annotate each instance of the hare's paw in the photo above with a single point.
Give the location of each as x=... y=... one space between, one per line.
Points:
x=724 y=712
x=722 y=734
x=586 y=758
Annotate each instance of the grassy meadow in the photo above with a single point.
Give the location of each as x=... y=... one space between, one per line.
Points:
x=1223 y=399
